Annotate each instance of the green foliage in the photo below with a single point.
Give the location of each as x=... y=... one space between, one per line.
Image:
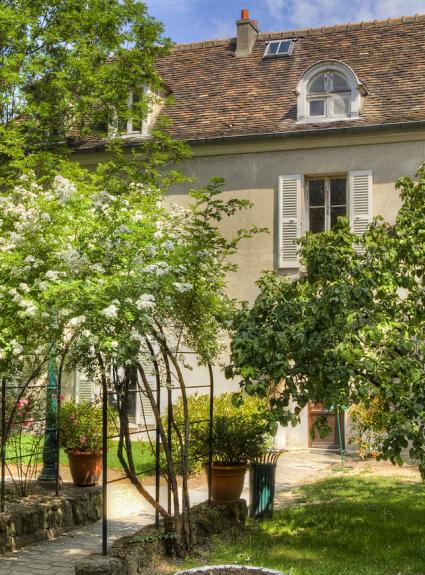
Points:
x=66 y=69
x=349 y=330
x=80 y=426
x=240 y=428
x=365 y=430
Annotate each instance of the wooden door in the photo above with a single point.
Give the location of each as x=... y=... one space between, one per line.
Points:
x=331 y=440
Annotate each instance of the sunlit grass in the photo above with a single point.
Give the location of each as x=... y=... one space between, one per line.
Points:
x=344 y=526
x=30 y=452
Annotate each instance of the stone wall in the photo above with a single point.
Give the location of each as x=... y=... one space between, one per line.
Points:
x=133 y=554
x=47 y=516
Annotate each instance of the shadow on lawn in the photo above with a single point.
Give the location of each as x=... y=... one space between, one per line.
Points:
x=344 y=526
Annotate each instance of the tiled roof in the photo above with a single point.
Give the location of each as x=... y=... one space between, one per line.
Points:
x=216 y=94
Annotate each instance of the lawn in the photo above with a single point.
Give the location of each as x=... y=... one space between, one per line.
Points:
x=344 y=526
x=143 y=458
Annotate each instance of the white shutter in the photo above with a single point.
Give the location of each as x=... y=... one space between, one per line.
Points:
x=85 y=389
x=361 y=209
x=289 y=218
x=146 y=411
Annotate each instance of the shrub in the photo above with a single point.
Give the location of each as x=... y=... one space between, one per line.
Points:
x=365 y=430
x=81 y=426
x=240 y=429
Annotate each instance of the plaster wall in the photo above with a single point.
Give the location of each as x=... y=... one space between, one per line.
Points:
x=251 y=172
x=254 y=176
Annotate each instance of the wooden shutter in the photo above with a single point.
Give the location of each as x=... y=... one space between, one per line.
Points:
x=361 y=209
x=289 y=219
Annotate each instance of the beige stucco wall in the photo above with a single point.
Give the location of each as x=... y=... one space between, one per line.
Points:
x=251 y=171
x=254 y=176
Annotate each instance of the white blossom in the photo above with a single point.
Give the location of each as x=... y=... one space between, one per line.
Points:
x=183 y=287
x=63 y=188
x=52 y=275
x=151 y=268
x=137 y=217
x=145 y=301
x=110 y=311
x=168 y=245
x=114 y=345
x=17 y=348
x=76 y=321
x=151 y=250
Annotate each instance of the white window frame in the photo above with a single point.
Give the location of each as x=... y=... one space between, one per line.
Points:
x=356 y=93
x=144 y=131
x=327 y=206
x=327 y=97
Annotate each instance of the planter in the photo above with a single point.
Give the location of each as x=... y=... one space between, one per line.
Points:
x=85 y=467
x=227 y=481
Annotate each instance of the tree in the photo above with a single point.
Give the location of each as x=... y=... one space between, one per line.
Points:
x=94 y=272
x=117 y=284
x=348 y=330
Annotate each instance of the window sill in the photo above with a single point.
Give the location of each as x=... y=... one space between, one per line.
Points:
x=321 y=120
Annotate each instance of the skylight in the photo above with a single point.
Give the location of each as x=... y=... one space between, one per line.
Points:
x=277 y=48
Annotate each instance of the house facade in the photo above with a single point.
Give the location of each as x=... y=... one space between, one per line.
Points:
x=306 y=124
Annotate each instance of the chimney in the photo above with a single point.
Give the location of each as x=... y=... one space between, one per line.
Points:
x=246 y=34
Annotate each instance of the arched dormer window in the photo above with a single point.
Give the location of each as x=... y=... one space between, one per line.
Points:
x=329 y=91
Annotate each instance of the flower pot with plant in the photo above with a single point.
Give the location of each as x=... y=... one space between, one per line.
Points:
x=240 y=434
x=80 y=435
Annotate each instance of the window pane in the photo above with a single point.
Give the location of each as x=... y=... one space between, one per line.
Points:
x=317 y=107
x=284 y=47
x=317 y=85
x=272 y=48
x=316 y=193
x=341 y=105
x=317 y=220
x=338 y=191
x=340 y=84
x=336 y=213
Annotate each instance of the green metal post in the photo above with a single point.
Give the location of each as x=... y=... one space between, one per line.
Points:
x=50 y=454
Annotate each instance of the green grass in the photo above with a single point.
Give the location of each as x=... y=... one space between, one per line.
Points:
x=143 y=458
x=339 y=526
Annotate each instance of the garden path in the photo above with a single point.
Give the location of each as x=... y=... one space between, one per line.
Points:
x=128 y=513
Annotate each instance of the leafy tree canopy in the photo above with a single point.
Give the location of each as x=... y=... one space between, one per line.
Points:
x=348 y=330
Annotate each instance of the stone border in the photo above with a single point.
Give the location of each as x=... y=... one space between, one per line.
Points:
x=236 y=569
x=48 y=516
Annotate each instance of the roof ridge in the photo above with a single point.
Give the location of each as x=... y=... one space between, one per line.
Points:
x=343 y=27
x=308 y=31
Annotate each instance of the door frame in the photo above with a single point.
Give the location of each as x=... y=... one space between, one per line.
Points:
x=342 y=422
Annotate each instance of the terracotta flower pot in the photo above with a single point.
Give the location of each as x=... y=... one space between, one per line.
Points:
x=226 y=481
x=85 y=467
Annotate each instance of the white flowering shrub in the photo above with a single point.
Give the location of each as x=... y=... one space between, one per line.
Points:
x=111 y=282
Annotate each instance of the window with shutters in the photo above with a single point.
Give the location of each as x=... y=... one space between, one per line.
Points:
x=326 y=201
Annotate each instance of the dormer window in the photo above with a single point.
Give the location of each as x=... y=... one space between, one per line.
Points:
x=329 y=91
x=143 y=107
x=135 y=125
x=329 y=96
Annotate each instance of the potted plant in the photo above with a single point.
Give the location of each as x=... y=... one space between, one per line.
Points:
x=240 y=434
x=80 y=434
